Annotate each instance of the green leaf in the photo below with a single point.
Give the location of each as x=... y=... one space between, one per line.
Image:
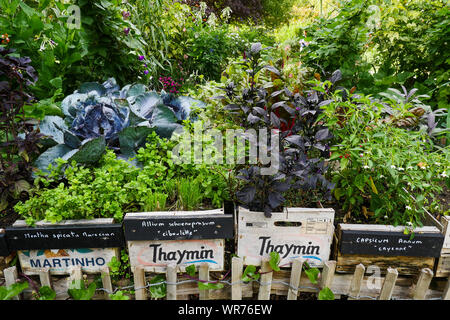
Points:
x=132 y=138
x=158 y=290
x=164 y=121
x=312 y=273
x=250 y=274
x=208 y=286
x=52 y=127
x=118 y=296
x=13 y=290
x=326 y=294
x=46 y=293
x=78 y=292
x=50 y=155
x=274 y=260
x=191 y=270
x=91 y=151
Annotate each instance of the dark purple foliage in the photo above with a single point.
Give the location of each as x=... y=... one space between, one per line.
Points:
x=303 y=147
x=18 y=139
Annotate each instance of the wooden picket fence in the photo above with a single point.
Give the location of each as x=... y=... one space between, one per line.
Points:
x=286 y=282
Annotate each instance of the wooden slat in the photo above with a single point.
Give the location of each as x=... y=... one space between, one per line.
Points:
x=404 y=265
x=171 y=276
x=355 y=286
x=327 y=274
x=296 y=273
x=389 y=284
x=265 y=279
x=236 y=277
x=203 y=274
x=106 y=282
x=75 y=278
x=446 y=295
x=139 y=282
x=11 y=276
x=420 y=291
x=44 y=277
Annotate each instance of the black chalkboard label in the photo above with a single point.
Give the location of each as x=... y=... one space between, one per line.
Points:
x=217 y=226
x=387 y=243
x=4 y=250
x=65 y=237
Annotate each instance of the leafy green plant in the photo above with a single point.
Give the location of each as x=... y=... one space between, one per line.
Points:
x=158 y=287
x=250 y=274
x=379 y=162
x=103 y=115
x=8 y=292
x=19 y=141
x=189 y=194
x=78 y=291
x=119 y=295
x=120 y=268
x=45 y=293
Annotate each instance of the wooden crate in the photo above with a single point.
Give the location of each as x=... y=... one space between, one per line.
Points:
x=443 y=263
x=295 y=232
x=157 y=239
x=58 y=247
x=386 y=246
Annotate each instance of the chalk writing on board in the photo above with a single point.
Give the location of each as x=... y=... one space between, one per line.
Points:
x=67 y=235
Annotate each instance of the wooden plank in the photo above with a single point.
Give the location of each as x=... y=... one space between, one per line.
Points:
x=106 y=282
x=295 y=232
x=420 y=291
x=327 y=276
x=139 y=283
x=236 y=278
x=388 y=284
x=355 y=286
x=184 y=227
x=404 y=265
x=171 y=276
x=154 y=256
x=44 y=277
x=265 y=280
x=64 y=235
x=443 y=264
x=203 y=274
x=59 y=261
x=296 y=273
x=4 y=250
x=390 y=243
x=11 y=276
x=445 y=220
x=75 y=278
x=446 y=293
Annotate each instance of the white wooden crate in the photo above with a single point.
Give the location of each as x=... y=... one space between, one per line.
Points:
x=155 y=255
x=310 y=239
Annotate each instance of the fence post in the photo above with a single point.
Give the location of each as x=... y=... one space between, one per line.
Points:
x=76 y=278
x=106 y=282
x=171 y=276
x=44 y=277
x=266 y=280
x=296 y=273
x=236 y=278
x=327 y=274
x=389 y=284
x=11 y=276
x=139 y=282
x=420 y=291
x=203 y=274
x=355 y=286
